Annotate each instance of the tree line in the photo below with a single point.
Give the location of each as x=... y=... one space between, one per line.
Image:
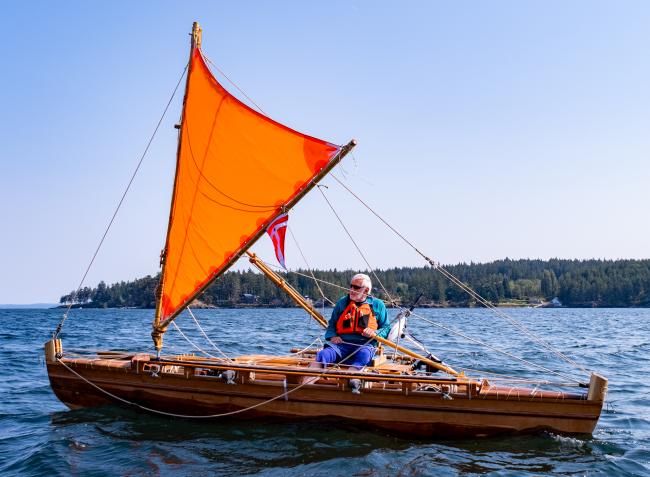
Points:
x=575 y=283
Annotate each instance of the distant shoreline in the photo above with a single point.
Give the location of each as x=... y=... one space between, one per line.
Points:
x=30 y=306
x=506 y=283
x=270 y=307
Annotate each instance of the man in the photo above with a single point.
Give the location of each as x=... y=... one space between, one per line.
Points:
x=356 y=318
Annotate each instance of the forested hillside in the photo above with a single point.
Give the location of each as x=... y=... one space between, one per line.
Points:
x=577 y=283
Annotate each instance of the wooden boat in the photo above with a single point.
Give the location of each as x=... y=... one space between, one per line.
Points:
x=237 y=172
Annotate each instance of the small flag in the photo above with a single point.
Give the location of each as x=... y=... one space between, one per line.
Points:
x=276 y=230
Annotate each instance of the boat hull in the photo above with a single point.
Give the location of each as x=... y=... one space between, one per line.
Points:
x=82 y=383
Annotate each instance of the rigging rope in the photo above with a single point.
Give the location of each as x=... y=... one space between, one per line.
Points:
x=435 y=265
x=511 y=320
x=463 y=286
x=119 y=205
x=279 y=268
x=206 y=336
x=322 y=294
x=450 y=330
x=233 y=83
x=197 y=347
x=390 y=299
x=493 y=348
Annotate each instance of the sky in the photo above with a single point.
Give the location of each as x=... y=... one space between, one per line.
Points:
x=485 y=129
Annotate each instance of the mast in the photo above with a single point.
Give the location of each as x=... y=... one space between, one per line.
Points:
x=158 y=331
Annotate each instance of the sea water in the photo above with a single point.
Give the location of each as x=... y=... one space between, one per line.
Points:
x=39 y=436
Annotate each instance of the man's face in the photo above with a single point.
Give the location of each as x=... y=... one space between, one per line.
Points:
x=358 y=292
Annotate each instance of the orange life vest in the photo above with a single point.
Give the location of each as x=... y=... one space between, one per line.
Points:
x=356 y=318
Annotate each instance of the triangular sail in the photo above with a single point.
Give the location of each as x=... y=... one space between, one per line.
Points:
x=236 y=171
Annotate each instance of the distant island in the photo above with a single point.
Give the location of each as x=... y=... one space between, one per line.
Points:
x=555 y=282
x=11 y=306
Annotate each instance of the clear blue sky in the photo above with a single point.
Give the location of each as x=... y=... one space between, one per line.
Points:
x=486 y=129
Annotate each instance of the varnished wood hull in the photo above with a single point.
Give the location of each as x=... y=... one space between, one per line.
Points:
x=402 y=410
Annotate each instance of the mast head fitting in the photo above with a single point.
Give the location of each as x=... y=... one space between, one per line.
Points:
x=196 y=35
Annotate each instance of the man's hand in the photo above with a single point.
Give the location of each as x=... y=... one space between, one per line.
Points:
x=369 y=333
x=336 y=340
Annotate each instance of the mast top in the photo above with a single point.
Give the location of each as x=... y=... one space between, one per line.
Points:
x=196 y=35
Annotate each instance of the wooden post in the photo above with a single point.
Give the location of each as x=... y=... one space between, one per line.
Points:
x=597 y=388
x=52 y=349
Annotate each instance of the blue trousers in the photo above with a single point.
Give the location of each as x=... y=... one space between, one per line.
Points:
x=337 y=353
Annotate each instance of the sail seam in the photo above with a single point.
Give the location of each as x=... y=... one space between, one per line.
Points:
x=200 y=172
x=193 y=203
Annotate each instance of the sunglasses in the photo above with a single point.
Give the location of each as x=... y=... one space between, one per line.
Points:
x=355 y=287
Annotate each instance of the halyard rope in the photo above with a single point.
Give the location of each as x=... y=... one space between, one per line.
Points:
x=110 y=223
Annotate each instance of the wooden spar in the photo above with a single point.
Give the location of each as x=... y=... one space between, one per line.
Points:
x=305 y=305
x=161 y=327
x=288 y=289
x=158 y=329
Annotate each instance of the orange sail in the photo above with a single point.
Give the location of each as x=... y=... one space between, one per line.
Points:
x=236 y=172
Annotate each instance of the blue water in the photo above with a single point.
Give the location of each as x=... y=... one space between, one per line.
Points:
x=39 y=436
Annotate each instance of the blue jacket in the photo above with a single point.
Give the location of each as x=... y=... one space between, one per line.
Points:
x=378 y=308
